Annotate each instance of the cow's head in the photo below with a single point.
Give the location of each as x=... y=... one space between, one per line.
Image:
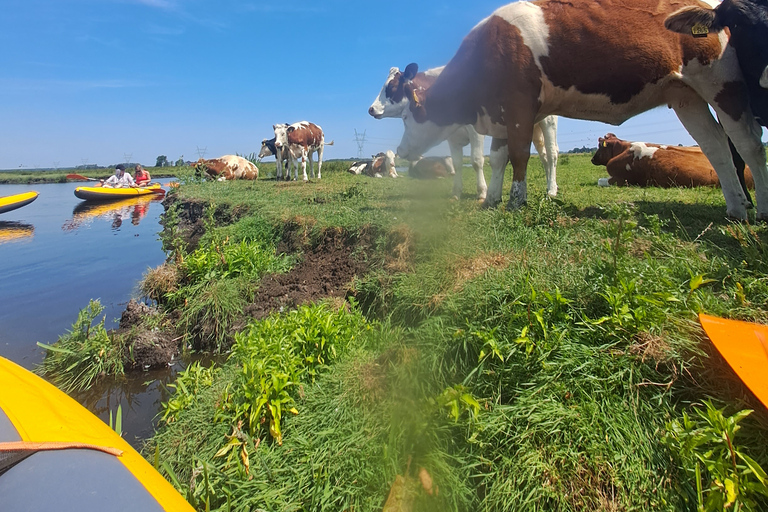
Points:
x=392 y=101
x=607 y=148
x=748 y=24
x=281 y=135
x=266 y=147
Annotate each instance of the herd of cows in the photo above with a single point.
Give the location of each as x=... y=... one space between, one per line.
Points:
x=599 y=60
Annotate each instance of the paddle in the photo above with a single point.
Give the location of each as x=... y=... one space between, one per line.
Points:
x=81 y=177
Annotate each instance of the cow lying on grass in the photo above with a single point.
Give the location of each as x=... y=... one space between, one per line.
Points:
x=383 y=164
x=431 y=167
x=228 y=167
x=646 y=164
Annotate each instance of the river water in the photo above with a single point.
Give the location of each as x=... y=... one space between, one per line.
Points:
x=56 y=254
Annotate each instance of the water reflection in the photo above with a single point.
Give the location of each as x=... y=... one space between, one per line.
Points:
x=133 y=210
x=15 y=231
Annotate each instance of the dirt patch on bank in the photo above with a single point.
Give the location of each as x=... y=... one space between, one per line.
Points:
x=325 y=271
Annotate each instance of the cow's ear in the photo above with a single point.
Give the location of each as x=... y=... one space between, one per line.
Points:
x=693 y=20
x=410 y=71
x=290 y=129
x=274 y=126
x=263 y=141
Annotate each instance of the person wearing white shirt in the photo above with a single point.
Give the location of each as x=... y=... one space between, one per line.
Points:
x=120 y=179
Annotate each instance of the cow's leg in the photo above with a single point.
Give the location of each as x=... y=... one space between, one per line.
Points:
x=457 y=159
x=519 y=138
x=694 y=113
x=311 y=164
x=304 y=164
x=498 y=159
x=279 y=164
x=476 y=150
x=740 y=166
x=319 y=159
x=746 y=137
x=548 y=129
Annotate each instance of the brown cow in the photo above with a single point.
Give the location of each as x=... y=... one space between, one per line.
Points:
x=597 y=60
x=300 y=140
x=647 y=164
x=431 y=167
x=228 y=167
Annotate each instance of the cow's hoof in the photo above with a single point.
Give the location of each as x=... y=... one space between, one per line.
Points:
x=513 y=206
x=489 y=204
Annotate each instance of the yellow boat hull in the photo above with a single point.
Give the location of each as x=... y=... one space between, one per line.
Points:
x=115 y=194
x=79 y=461
x=9 y=203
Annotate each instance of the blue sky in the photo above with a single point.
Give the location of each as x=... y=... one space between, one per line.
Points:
x=98 y=81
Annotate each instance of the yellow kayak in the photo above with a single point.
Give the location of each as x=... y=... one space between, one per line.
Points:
x=56 y=455
x=9 y=203
x=113 y=194
x=745 y=346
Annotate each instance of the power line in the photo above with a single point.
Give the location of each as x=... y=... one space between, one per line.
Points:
x=201 y=151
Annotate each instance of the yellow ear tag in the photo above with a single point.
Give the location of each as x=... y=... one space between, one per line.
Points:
x=699 y=30
x=416 y=99
x=605 y=144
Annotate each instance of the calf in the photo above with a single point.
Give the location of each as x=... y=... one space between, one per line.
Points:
x=431 y=167
x=228 y=167
x=646 y=164
x=393 y=102
x=598 y=60
x=268 y=149
x=381 y=165
x=300 y=140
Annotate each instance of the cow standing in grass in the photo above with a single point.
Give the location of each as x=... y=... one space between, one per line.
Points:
x=300 y=140
x=268 y=149
x=655 y=165
x=599 y=60
x=392 y=102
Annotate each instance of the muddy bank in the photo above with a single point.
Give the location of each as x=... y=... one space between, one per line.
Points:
x=327 y=263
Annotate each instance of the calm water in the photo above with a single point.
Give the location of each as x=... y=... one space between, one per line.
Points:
x=56 y=254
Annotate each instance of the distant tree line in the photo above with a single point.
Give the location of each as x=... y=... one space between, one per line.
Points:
x=162 y=161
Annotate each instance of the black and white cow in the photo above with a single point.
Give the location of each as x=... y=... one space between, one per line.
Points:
x=268 y=149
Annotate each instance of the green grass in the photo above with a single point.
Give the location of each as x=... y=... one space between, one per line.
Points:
x=528 y=360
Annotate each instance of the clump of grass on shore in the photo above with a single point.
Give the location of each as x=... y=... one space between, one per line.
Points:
x=83 y=354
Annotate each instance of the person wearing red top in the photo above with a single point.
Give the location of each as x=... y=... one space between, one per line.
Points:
x=141 y=176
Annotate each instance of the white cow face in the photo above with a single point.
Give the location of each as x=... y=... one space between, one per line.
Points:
x=281 y=135
x=764 y=79
x=418 y=138
x=390 y=103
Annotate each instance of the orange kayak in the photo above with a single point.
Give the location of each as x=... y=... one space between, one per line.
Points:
x=745 y=346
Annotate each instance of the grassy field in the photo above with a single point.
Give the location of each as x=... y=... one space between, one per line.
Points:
x=543 y=359
x=60 y=176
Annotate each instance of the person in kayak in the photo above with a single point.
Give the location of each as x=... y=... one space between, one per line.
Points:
x=120 y=179
x=141 y=176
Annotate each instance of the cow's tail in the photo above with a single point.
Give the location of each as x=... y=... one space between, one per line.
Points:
x=328 y=143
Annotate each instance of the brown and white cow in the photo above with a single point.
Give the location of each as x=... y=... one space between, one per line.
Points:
x=431 y=167
x=392 y=102
x=600 y=60
x=228 y=167
x=656 y=165
x=301 y=140
x=382 y=164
